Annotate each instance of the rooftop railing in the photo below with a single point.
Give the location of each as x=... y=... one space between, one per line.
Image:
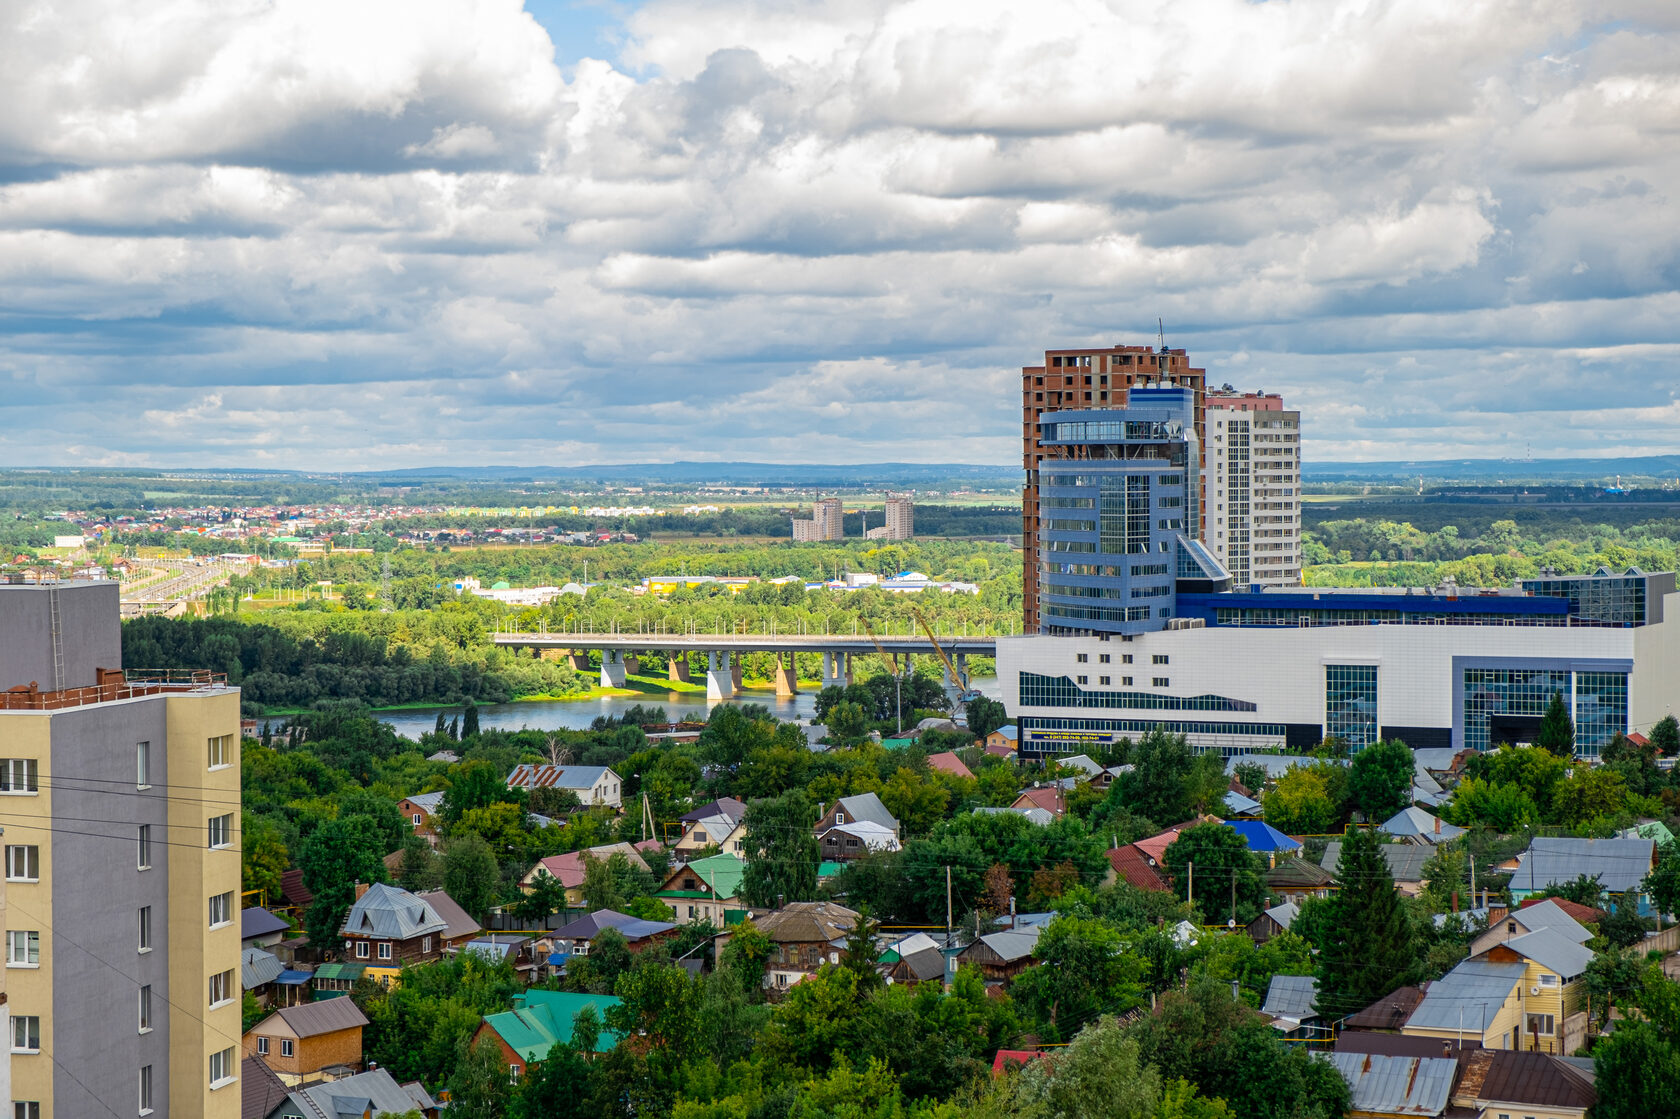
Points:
x=114 y=685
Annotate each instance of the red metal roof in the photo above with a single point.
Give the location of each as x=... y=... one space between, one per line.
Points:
x=1132 y=865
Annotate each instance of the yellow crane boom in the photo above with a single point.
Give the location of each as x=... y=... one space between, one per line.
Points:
x=892 y=661
x=950 y=669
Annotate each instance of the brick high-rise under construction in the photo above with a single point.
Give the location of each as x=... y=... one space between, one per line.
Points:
x=1084 y=380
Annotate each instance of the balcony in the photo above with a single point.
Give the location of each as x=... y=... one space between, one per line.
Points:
x=114 y=684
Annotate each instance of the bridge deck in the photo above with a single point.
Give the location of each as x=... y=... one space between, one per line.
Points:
x=749 y=642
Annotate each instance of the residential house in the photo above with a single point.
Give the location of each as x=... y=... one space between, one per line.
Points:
x=1292 y=1005
x=593 y=784
x=1387 y=1015
x=718 y=824
x=1046 y=798
x=459 y=926
x=1241 y=807
x=1552 y=994
x=1581 y=914
x=1385 y=1087
x=1506 y=1084
x=1106 y=779
x=845 y=842
x=1261 y=837
x=258 y=928
x=421 y=811
x=520 y=952
x=1619 y=865
x=573 y=939
x=1296 y=879
x=1004 y=738
x=804 y=935
x=388 y=929
x=300 y=1041
x=538 y=1022
x=296 y=895
x=915 y=959
x=260 y=1091
x=1131 y=865
x=1545 y=914
x=1155 y=847
x=704 y=889
x=258 y=971
x=1001 y=956
x=332 y=979
x=366 y=1095
x=1272 y=922
x=948 y=762
x=864 y=807
x=1405 y=863
x=1416 y=825
x=1479 y=1000
x=1084 y=765
x=569 y=869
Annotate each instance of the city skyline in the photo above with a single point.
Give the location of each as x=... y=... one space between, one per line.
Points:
x=271 y=237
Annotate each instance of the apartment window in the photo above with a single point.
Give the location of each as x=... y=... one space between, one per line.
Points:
x=145 y=916
x=1125 y=681
x=1084 y=680
x=384 y=949
x=221 y=909
x=1160 y=658
x=145 y=847
x=143 y=765
x=221 y=988
x=145 y=1089
x=26 y=1033
x=26 y=1109
x=1125 y=658
x=361 y=950
x=1103 y=680
x=1162 y=682
x=20 y=776
x=221 y=830
x=23 y=948
x=1102 y=658
x=146 y=1009
x=262 y=1046
x=23 y=863
x=222 y=1067
x=1082 y=658
x=286 y=1044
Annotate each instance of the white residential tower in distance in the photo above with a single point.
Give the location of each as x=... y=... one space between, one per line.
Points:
x=1253 y=497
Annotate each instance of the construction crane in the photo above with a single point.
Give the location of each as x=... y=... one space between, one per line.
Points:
x=892 y=661
x=950 y=669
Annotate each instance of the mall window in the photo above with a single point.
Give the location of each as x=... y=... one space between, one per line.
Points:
x=1601 y=709
x=1505 y=704
x=1350 y=704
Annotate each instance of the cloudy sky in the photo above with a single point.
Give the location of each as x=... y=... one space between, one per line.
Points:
x=381 y=233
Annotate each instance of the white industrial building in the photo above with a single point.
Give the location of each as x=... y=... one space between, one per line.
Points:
x=1442 y=668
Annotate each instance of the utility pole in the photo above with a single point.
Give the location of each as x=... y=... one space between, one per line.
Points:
x=1190 y=885
x=947 y=905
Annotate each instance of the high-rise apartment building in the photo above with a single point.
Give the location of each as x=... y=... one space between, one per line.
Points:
x=901 y=518
x=1253 y=489
x=827 y=522
x=121 y=845
x=1086 y=380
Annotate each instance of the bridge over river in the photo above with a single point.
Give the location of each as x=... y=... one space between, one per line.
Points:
x=620 y=653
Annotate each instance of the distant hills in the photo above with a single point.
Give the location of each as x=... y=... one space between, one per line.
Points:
x=724 y=473
x=1509 y=471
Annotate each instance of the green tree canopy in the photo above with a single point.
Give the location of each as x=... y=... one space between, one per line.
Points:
x=1380 y=780
x=1557 y=730
x=1223 y=866
x=783 y=852
x=1370 y=945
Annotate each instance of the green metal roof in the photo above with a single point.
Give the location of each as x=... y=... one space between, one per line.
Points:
x=722 y=873
x=540 y=1020
x=829 y=869
x=897 y=743
x=352 y=972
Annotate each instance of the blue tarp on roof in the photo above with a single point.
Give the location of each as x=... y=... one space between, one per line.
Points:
x=294 y=978
x=1261 y=836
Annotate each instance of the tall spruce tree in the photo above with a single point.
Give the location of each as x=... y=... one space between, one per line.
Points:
x=784 y=853
x=1557 y=732
x=469 y=721
x=1370 y=945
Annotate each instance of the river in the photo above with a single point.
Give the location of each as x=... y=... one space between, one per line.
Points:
x=577 y=714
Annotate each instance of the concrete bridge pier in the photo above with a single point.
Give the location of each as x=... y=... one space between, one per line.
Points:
x=835 y=670
x=737 y=668
x=612 y=668
x=632 y=664
x=578 y=660
x=787 y=676
x=961 y=660
x=677 y=669
x=720 y=680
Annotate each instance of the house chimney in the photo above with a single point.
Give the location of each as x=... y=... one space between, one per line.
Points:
x=1437 y=825
x=361 y=888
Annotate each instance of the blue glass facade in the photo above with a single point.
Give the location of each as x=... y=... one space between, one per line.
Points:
x=1493 y=692
x=1118 y=491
